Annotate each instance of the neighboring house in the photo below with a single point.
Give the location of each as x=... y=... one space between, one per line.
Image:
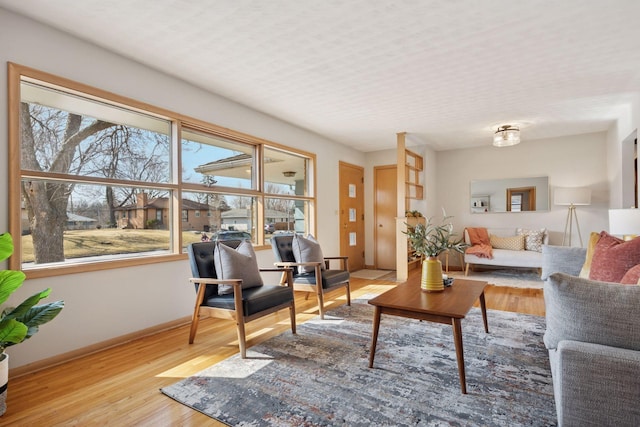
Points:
x=154 y=213
x=74 y=222
x=237 y=219
x=272 y=216
x=79 y=222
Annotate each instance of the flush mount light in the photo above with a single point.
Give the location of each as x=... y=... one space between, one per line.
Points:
x=289 y=174
x=506 y=135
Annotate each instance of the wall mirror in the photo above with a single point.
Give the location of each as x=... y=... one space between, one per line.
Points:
x=510 y=195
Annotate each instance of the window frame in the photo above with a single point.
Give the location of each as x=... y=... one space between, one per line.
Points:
x=178 y=121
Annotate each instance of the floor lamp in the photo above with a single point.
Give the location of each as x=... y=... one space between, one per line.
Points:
x=572 y=197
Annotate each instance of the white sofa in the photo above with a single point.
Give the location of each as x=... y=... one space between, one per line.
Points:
x=505 y=257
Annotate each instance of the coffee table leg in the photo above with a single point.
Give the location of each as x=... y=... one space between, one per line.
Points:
x=483 y=308
x=374 y=337
x=457 y=338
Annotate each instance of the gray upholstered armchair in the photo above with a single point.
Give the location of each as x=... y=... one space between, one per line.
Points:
x=305 y=257
x=229 y=286
x=593 y=338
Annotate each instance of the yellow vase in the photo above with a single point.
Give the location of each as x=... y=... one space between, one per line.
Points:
x=431 y=280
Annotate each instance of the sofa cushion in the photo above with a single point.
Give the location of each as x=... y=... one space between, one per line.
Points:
x=307 y=249
x=532 y=238
x=589 y=311
x=239 y=263
x=561 y=259
x=512 y=243
x=591 y=247
x=613 y=257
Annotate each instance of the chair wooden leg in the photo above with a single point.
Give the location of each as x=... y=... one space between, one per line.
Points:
x=466 y=270
x=194 y=326
x=292 y=314
x=239 y=315
x=242 y=339
x=196 y=313
x=348 y=294
x=321 y=303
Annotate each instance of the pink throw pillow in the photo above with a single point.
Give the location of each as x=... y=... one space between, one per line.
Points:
x=613 y=257
x=632 y=277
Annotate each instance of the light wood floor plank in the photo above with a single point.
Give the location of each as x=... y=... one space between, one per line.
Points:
x=120 y=386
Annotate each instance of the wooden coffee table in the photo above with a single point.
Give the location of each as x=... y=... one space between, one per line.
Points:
x=449 y=306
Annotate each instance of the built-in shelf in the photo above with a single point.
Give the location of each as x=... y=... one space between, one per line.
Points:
x=413 y=166
x=410 y=187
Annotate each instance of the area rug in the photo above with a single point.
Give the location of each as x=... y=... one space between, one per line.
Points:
x=513 y=277
x=320 y=377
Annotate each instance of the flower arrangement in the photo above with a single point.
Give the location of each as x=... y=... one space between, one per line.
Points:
x=430 y=240
x=413 y=214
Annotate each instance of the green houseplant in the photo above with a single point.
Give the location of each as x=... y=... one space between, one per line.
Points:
x=22 y=322
x=429 y=240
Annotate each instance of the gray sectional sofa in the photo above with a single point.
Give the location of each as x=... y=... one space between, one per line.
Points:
x=593 y=338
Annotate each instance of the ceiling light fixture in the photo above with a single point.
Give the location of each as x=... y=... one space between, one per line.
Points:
x=289 y=174
x=506 y=135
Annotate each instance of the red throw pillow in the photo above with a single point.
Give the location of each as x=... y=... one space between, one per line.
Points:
x=632 y=276
x=613 y=257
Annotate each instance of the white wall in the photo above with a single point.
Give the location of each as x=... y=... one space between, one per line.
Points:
x=572 y=161
x=111 y=303
x=619 y=160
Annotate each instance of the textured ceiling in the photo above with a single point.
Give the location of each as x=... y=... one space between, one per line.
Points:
x=359 y=71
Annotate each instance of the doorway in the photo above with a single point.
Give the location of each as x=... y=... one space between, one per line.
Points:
x=352 y=214
x=385 y=205
x=521 y=199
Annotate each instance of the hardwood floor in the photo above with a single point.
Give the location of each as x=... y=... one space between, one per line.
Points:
x=120 y=386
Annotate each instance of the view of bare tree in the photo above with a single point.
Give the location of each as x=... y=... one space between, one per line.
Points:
x=57 y=141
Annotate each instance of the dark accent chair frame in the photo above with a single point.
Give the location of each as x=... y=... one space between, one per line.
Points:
x=331 y=279
x=244 y=305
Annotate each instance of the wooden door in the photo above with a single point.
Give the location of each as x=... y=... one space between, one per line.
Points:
x=385 y=208
x=352 y=214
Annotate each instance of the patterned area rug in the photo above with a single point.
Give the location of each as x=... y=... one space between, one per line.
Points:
x=513 y=277
x=320 y=377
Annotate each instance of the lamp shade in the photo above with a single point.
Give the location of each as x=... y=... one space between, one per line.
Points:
x=566 y=196
x=624 y=222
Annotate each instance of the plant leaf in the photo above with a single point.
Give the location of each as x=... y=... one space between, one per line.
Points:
x=41 y=314
x=12 y=332
x=20 y=311
x=10 y=280
x=6 y=246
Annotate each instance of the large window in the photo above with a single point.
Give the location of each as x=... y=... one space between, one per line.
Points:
x=102 y=178
x=211 y=160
